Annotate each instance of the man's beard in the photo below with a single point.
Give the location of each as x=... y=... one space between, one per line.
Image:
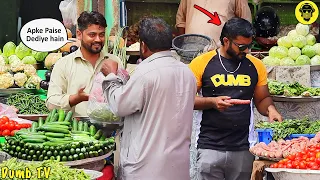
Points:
x=236 y=57
x=89 y=47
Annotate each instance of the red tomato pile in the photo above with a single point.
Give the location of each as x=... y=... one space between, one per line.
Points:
x=306 y=159
x=8 y=127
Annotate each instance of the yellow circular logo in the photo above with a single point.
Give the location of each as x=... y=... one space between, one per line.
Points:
x=307 y=12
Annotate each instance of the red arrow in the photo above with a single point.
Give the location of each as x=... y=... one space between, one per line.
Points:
x=214 y=18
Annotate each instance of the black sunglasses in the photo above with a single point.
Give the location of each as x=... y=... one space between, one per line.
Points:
x=243 y=47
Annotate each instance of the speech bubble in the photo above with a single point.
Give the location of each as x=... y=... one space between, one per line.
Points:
x=45 y=34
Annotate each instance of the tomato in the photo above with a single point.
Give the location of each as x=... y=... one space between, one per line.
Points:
x=12 y=133
x=317 y=150
x=304 y=152
x=272 y=166
x=318 y=146
x=318 y=155
x=295 y=164
x=312 y=159
x=311 y=146
x=280 y=166
x=6 y=132
x=11 y=126
x=5 y=118
x=312 y=149
x=317 y=160
x=275 y=165
x=315 y=167
x=298 y=158
x=304 y=157
x=291 y=157
x=311 y=164
x=289 y=165
x=311 y=154
x=302 y=165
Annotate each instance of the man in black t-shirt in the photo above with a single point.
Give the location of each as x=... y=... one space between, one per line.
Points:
x=229 y=79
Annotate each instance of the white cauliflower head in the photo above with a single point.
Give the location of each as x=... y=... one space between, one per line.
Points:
x=3 y=69
x=29 y=70
x=2 y=61
x=33 y=82
x=6 y=81
x=20 y=79
x=17 y=66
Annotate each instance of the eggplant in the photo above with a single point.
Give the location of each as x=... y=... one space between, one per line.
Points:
x=44 y=85
x=65 y=53
x=73 y=48
x=48 y=75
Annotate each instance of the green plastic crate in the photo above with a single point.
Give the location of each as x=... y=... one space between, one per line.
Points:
x=2 y=140
x=42 y=74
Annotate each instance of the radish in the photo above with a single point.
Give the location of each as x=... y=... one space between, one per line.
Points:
x=237 y=101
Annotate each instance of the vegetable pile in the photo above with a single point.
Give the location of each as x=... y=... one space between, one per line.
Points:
x=51 y=170
x=27 y=103
x=292 y=89
x=307 y=158
x=299 y=47
x=9 y=127
x=58 y=137
x=283 y=129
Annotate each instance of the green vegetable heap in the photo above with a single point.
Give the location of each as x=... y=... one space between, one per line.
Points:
x=28 y=103
x=59 y=137
x=293 y=89
x=283 y=129
x=50 y=170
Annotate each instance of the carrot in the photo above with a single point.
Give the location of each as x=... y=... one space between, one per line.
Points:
x=237 y=101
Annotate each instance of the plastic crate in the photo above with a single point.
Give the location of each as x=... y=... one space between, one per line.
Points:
x=2 y=140
x=264 y=135
x=292 y=136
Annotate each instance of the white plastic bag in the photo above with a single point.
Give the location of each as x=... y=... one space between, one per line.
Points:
x=8 y=111
x=98 y=110
x=68 y=10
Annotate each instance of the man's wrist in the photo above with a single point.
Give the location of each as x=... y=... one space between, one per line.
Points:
x=270 y=108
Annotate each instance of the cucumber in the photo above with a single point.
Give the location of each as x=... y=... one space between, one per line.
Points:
x=27 y=136
x=53 y=112
x=60 y=139
x=34 y=126
x=61 y=114
x=80 y=126
x=57 y=143
x=55 y=129
x=30 y=140
x=98 y=134
x=28 y=133
x=59 y=123
x=55 y=117
x=74 y=124
x=86 y=127
x=68 y=116
x=102 y=138
x=93 y=130
x=55 y=135
x=80 y=132
x=48 y=117
x=40 y=121
x=55 y=125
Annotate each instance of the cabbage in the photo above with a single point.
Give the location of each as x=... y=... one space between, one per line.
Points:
x=278 y=52
x=311 y=40
x=271 y=61
x=315 y=60
x=39 y=56
x=13 y=58
x=284 y=41
x=292 y=33
x=303 y=60
x=287 y=62
x=299 y=41
x=22 y=51
x=29 y=60
x=317 y=48
x=294 y=53
x=302 y=29
x=308 y=51
x=9 y=49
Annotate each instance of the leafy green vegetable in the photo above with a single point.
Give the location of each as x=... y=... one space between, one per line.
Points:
x=9 y=49
x=293 y=89
x=22 y=51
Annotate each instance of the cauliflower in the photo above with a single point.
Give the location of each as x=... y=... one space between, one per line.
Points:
x=3 y=69
x=33 y=82
x=2 y=61
x=17 y=66
x=20 y=79
x=29 y=70
x=6 y=81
